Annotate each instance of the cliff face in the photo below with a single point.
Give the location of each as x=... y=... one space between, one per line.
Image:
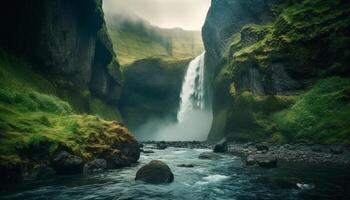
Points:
x=151 y=90
x=226 y=17
x=50 y=49
x=268 y=59
x=67 y=42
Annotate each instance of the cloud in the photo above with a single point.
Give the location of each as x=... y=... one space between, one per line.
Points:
x=187 y=14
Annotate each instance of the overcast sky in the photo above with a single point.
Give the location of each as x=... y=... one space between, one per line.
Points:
x=187 y=14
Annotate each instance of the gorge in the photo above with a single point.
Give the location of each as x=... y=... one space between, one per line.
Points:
x=254 y=105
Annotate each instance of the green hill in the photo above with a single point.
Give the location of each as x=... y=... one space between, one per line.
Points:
x=136 y=39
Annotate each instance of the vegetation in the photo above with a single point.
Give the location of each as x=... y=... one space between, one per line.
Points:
x=310 y=40
x=35 y=125
x=135 y=39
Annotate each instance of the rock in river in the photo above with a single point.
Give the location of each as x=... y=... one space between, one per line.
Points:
x=262 y=160
x=40 y=172
x=155 y=172
x=221 y=147
x=209 y=156
x=65 y=163
x=96 y=165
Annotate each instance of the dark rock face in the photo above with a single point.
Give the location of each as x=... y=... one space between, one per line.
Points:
x=95 y=166
x=151 y=90
x=209 y=156
x=155 y=172
x=226 y=17
x=67 y=42
x=11 y=174
x=65 y=163
x=40 y=172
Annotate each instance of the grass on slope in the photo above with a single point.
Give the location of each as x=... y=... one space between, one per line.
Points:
x=34 y=125
x=136 y=39
x=321 y=115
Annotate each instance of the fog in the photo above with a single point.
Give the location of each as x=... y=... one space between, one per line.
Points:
x=195 y=127
x=186 y=14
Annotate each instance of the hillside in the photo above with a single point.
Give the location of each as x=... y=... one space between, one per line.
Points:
x=281 y=70
x=136 y=39
x=60 y=84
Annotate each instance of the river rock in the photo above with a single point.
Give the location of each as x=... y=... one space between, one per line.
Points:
x=96 y=165
x=162 y=145
x=209 y=156
x=65 y=163
x=221 y=147
x=336 y=150
x=147 y=151
x=40 y=172
x=262 y=160
x=155 y=172
x=186 y=165
x=262 y=147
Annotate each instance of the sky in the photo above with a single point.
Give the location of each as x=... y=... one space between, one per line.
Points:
x=186 y=14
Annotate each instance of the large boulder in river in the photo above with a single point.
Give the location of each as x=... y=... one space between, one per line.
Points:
x=155 y=172
x=209 y=156
x=65 y=163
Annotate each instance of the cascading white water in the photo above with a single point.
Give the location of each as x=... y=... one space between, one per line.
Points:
x=192 y=93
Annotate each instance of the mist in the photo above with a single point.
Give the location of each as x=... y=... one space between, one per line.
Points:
x=185 y=14
x=195 y=127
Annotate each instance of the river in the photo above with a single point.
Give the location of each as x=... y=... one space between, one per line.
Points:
x=227 y=178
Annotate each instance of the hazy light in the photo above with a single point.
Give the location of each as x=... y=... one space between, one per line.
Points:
x=187 y=14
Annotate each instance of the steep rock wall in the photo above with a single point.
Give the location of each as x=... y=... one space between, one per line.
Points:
x=67 y=42
x=151 y=90
x=266 y=57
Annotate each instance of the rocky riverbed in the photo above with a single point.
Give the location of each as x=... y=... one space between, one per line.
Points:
x=309 y=153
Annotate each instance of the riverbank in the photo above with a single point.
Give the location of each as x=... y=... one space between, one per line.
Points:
x=308 y=153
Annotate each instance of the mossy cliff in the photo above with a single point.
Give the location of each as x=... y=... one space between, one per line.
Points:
x=60 y=83
x=66 y=42
x=280 y=70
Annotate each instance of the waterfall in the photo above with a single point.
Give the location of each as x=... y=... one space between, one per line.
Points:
x=194 y=116
x=192 y=93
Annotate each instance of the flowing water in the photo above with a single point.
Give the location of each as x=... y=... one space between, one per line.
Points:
x=227 y=178
x=192 y=93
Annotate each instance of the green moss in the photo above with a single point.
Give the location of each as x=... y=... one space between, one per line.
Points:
x=321 y=114
x=105 y=111
x=35 y=125
x=309 y=38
